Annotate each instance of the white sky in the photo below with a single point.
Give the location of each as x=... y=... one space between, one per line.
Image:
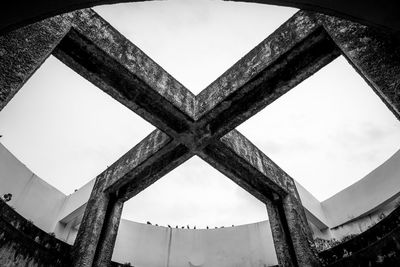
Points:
x=327 y=133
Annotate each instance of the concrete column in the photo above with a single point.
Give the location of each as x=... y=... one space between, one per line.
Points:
x=300 y=233
x=85 y=246
x=293 y=241
x=23 y=51
x=281 y=237
x=105 y=247
x=376 y=56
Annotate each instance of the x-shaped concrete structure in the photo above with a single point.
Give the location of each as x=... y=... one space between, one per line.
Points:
x=202 y=125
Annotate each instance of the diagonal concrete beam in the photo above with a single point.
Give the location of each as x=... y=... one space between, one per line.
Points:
x=294 y=52
x=264 y=173
x=24 y=50
x=204 y=124
x=374 y=55
x=106 y=58
x=245 y=164
x=139 y=166
x=102 y=55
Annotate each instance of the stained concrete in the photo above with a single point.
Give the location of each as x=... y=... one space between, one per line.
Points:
x=23 y=51
x=202 y=125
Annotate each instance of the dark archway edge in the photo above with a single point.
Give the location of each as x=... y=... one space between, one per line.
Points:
x=384 y=15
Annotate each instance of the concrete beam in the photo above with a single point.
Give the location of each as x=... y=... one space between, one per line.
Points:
x=192 y=125
x=245 y=164
x=374 y=55
x=106 y=58
x=24 y=50
x=195 y=124
x=295 y=51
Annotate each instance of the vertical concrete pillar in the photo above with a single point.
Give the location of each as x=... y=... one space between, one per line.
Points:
x=376 y=56
x=281 y=237
x=299 y=230
x=292 y=236
x=85 y=246
x=23 y=51
x=105 y=247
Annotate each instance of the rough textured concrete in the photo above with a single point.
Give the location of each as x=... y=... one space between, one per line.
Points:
x=374 y=55
x=24 y=50
x=245 y=164
x=135 y=157
x=258 y=72
x=96 y=215
x=85 y=246
x=105 y=57
x=300 y=233
x=106 y=243
x=204 y=125
x=282 y=241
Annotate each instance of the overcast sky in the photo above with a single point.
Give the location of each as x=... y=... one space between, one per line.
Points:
x=327 y=133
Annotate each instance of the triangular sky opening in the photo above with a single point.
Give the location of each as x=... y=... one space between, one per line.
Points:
x=195 y=194
x=328 y=132
x=65 y=129
x=195 y=41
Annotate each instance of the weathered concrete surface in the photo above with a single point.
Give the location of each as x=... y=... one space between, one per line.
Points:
x=374 y=55
x=23 y=51
x=282 y=242
x=300 y=232
x=106 y=58
x=135 y=157
x=245 y=164
x=85 y=246
x=102 y=55
x=106 y=243
x=255 y=158
x=95 y=216
x=291 y=54
x=192 y=125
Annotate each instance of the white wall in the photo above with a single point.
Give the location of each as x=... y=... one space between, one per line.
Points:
x=371 y=192
x=155 y=246
x=32 y=197
x=352 y=210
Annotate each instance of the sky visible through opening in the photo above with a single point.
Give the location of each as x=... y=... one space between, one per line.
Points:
x=327 y=133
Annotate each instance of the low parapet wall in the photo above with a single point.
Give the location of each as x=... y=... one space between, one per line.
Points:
x=247 y=245
x=24 y=244
x=53 y=211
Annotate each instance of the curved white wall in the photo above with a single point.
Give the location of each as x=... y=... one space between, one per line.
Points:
x=371 y=192
x=154 y=246
x=32 y=197
x=350 y=211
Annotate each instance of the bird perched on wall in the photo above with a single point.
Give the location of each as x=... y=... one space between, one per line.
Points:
x=148 y=222
x=169 y=226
